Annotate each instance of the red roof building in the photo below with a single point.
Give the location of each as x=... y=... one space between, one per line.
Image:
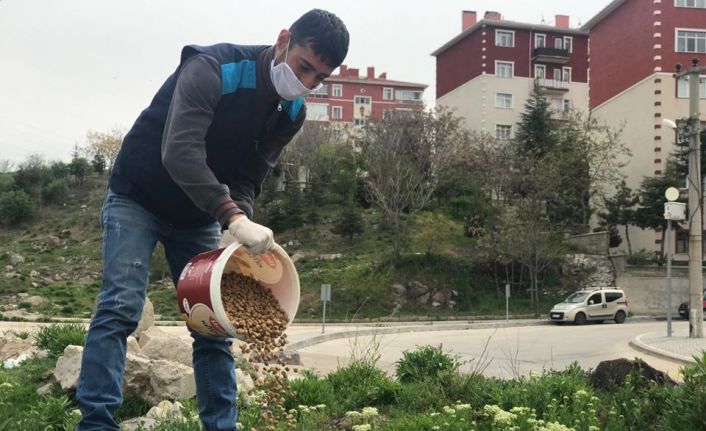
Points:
x=353 y=99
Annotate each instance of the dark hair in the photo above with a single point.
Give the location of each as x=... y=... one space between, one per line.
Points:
x=324 y=32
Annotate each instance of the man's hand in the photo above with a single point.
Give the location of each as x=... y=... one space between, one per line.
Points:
x=257 y=237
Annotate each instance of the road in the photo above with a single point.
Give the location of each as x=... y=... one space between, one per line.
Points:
x=504 y=352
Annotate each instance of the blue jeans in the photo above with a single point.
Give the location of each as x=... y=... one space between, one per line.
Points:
x=130 y=234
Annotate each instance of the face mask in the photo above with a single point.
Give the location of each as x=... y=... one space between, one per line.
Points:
x=288 y=86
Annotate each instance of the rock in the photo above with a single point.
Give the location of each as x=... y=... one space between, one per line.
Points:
x=9 y=268
x=34 y=300
x=332 y=256
x=61 y=259
x=169 y=347
x=47 y=280
x=20 y=314
x=68 y=367
x=57 y=277
x=33 y=274
x=133 y=346
x=15 y=259
x=34 y=284
x=44 y=390
x=611 y=374
x=399 y=290
x=443 y=296
x=169 y=380
x=151 y=332
x=296 y=257
x=166 y=410
x=42 y=354
x=244 y=382
x=141 y=424
x=436 y=304
x=23 y=295
x=54 y=240
x=147 y=319
x=416 y=289
x=10 y=275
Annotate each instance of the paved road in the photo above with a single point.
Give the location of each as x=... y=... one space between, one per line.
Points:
x=509 y=352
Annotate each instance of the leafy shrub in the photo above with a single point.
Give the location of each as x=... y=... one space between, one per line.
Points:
x=685 y=410
x=361 y=384
x=15 y=206
x=55 y=191
x=643 y=257
x=56 y=337
x=310 y=391
x=424 y=363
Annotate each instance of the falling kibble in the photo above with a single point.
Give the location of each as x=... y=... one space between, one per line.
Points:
x=259 y=319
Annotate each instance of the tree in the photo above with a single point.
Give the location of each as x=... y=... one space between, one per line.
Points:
x=15 y=206
x=79 y=168
x=105 y=144
x=650 y=211
x=293 y=207
x=6 y=165
x=402 y=158
x=313 y=197
x=31 y=175
x=536 y=131
x=98 y=164
x=350 y=220
x=619 y=211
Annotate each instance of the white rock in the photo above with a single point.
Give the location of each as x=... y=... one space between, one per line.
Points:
x=68 y=367
x=170 y=380
x=147 y=319
x=44 y=390
x=15 y=259
x=54 y=240
x=244 y=382
x=332 y=256
x=33 y=274
x=133 y=346
x=12 y=346
x=166 y=410
x=171 y=348
x=9 y=268
x=140 y=424
x=34 y=300
x=150 y=333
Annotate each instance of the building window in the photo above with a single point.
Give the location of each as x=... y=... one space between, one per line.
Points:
x=503 y=100
x=557 y=74
x=683 y=87
x=505 y=38
x=409 y=95
x=337 y=90
x=540 y=71
x=681 y=245
x=321 y=93
x=567 y=105
x=337 y=112
x=540 y=40
x=360 y=121
x=691 y=41
x=362 y=100
x=559 y=43
x=317 y=112
x=503 y=131
x=387 y=114
x=504 y=69
x=566 y=74
x=387 y=93
x=569 y=43
x=690 y=3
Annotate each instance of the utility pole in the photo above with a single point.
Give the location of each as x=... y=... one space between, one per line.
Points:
x=693 y=127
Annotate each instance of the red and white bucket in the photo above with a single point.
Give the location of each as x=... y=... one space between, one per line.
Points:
x=199 y=286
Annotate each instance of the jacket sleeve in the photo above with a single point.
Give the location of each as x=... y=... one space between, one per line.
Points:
x=197 y=92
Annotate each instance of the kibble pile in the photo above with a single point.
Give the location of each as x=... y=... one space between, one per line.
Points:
x=258 y=317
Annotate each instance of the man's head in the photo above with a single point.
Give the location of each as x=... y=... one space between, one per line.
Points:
x=315 y=45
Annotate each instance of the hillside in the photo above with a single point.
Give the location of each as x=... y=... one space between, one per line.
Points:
x=435 y=279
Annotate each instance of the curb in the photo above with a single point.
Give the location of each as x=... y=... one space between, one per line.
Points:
x=356 y=332
x=638 y=344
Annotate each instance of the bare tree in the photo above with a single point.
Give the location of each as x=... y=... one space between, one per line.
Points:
x=6 y=165
x=302 y=152
x=403 y=156
x=105 y=144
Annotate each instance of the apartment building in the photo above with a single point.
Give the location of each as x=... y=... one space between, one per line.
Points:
x=487 y=72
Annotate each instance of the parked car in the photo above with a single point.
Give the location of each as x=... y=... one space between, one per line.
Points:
x=684 y=308
x=595 y=304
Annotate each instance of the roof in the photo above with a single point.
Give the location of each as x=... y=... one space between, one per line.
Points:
x=510 y=25
x=602 y=14
x=374 y=81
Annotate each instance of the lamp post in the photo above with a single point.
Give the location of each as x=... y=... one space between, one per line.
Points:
x=693 y=128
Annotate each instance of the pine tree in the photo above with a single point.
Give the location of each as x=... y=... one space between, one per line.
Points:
x=536 y=131
x=98 y=163
x=293 y=207
x=619 y=211
x=350 y=220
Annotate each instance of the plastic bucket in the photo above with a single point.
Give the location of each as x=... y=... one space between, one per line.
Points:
x=199 y=286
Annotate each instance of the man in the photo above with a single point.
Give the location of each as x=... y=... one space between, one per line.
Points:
x=190 y=167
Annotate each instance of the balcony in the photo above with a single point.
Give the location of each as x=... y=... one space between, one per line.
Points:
x=552 y=84
x=550 y=55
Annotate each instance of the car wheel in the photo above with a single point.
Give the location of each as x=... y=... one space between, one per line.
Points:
x=580 y=319
x=620 y=316
x=600 y=321
x=558 y=323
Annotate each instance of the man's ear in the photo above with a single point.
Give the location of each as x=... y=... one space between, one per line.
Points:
x=282 y=42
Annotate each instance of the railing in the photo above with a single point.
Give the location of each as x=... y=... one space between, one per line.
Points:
x=553 y=84
x=544 y=51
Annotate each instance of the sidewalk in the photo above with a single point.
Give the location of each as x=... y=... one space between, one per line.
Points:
x=679 y=347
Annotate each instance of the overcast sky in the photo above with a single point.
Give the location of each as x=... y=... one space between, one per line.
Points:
x=70 y=66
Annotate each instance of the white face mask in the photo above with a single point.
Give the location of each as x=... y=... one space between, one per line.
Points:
x=288 y=86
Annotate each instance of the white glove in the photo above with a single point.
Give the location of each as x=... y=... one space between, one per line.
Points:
x=257 y=237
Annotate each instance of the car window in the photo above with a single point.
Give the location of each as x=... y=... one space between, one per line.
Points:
x=612 y=296
x=577 y=297
x=596 y=298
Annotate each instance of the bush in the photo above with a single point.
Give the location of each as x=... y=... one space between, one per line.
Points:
x=360 y=385
x=15 y=207
x=424 y=363
x=56 y=337
x=309 y=391
x=55 y=191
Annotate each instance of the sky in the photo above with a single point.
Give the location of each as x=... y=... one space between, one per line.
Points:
x=71 y=66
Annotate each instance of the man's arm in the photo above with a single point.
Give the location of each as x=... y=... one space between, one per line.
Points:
x=197 y=92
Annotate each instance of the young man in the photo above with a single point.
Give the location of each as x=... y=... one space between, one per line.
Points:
x=190 y=167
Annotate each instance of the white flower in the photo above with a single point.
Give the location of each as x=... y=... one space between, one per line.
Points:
x=353 y=414
x=449 y=410
x=434 y=414
x=320 y=406
x=369 y=412
x=462 y=407
x=364 y=427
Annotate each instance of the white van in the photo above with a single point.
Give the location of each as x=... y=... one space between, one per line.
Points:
x=596 y=304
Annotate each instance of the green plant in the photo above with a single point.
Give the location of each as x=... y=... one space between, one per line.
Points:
x=15 y=206
x=310 y=390
x=56 y=337
x=55 y=191
x=685 y=409
x=361 y=384
x=423 y=363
